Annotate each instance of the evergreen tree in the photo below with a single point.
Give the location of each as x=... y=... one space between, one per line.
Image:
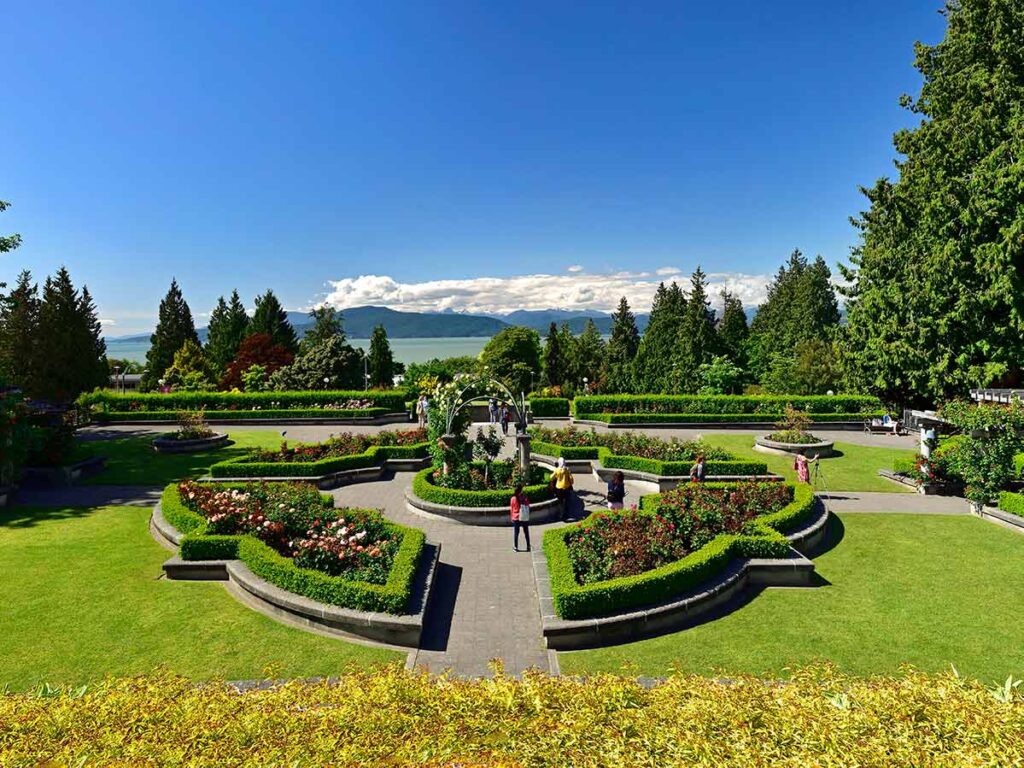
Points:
x=229 y=324
x=622 y=348
x=271 y=319
x=936 y=301
x=257 y=350
x=19 y=330
x=327 y=323
x=513 y=355
x=571 y=374
x=381 y=362
x=71 y=355
x=553 y=362
x=801 y=304
x=174 y=327
x=732 y=329
x=697 y=342
x=191 y=370
x=591 y=356
x=332 y=359
x=652 y=367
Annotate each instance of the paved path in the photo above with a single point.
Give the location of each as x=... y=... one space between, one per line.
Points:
x=90 y=496
x=915 y=503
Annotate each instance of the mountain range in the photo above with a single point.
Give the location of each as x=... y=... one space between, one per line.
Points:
x=359 y=323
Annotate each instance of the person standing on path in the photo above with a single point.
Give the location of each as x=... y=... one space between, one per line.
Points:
x=519 y=510
x=802 y=467
x=616 y=490
x=422 y=406
x=562 y=481
x=506 y=417
x=492 y=410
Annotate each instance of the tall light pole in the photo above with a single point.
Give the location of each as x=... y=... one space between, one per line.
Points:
x=366 y=374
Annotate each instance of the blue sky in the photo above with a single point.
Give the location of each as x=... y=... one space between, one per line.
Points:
x=402 y=152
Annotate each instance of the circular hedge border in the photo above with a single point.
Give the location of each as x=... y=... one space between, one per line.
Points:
x=765 y=445
x=424 y=489
x=166 y=443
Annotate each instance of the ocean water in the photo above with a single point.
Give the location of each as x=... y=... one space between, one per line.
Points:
x=404 y=350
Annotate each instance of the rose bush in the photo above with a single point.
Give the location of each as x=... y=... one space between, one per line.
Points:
x=631 y=444
x=344 y=444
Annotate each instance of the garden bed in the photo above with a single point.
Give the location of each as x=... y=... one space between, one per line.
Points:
x=344 y=457
x=708 y=526
x=481 y=507
x=820 y=448
x=169 y=443
x=351 y=563
x=844 y=421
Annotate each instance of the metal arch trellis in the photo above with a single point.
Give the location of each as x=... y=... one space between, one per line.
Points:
x=459 y=403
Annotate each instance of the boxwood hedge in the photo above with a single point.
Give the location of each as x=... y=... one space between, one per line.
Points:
x=375 y=455
x=549 y=406
x=391 y=597
x=272 y=414
x=762 y=537
x=1012 y=502
x=639 y=464
x=393 y=401
x=424 y=488
x=713 y=418
x=725 y=404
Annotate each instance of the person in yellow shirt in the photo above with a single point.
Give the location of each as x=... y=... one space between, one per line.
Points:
x=562 y=481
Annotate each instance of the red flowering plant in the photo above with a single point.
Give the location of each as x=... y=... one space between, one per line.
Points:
x=631 y=444
x=344 y=444
x=291 y=518
x=631 y=542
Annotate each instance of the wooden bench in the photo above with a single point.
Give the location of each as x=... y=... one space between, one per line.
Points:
x=876 y=427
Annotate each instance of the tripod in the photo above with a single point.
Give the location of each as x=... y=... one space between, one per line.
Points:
x=818 y=481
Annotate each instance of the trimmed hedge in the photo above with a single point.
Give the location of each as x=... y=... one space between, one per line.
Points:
x=639 y=464
x=1018 y=464
x=1012 y=502
x=761 y=537
x=549 y=406
x=391 y=597
x=713 y=418
x=375 y=455
x=393 y=401
x=725 y=404
x=103 y=417
x=455 y=497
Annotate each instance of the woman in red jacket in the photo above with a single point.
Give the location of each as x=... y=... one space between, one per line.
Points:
x=519 y=509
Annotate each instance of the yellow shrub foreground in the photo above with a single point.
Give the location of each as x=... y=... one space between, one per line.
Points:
x=390 y=717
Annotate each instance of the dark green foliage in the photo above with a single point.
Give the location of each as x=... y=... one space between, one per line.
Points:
x=765 y=405
x=271 y=319
x=555 y=361
x=697 y=342
x=801 y=305
x=420 y=375
x=813 y=369
x=380 y=361
x=229 y=324
x=549 y=406
x=191 y=371
x=373 y=456
x=763 y=539
x=70 y=353
x=174 y=327
x=591 y=355
x=513 y=355
x=424 y=488
x=8 y=242
x=720 y=376
x=984 y=457
x=241 y=402
x=937 y=293
x=327 y=324
x=732 y=329
x=267 y=414
x=652 y=367
x=622 y=348
x=333 y=359
x=19 y=333
x=258 y=350
x=1012 y=502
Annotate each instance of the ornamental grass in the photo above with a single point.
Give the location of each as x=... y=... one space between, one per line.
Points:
x=390 y=717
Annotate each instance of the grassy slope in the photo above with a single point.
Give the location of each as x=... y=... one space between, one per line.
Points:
x=855 y=470
x=926 y=590
x=83 y=598
x=132 y=460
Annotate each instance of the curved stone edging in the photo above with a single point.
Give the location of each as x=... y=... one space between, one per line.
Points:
x=540 y=512
x=764 y=445
x=693 y=607
x=164 y=444
x=405 y=630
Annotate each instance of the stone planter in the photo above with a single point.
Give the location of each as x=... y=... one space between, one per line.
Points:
x=765 y=445
x=168 y=444
x=540 y=512
x=62 y=477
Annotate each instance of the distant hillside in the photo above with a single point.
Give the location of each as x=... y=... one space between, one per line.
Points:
x=541 y=319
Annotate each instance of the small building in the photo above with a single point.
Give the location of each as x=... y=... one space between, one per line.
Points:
x=125 y=382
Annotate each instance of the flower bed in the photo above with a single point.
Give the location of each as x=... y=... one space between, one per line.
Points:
x=613 y=419
x=291 y=536
x=639 y=452
x=618 y=561
x=342 y=452
x=391 y=401
x=425 y=485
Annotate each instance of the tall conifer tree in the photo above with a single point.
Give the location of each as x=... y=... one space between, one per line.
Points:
x=622 y=348
x=591 y=356
x=652 y=367
x=229 y=324
x=270 y=318
x=381 y=362
x=733 y=329
x=697 y=342
x=19 y=330
x=174 y=327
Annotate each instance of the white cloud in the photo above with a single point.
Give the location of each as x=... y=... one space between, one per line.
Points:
x=667 y=271
x=574 y=268
x=106 y=322
x=499 y=295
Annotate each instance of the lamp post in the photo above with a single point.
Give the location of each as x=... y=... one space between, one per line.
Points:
x=161 y=383
x=117 y=371
x=327 y=380
x=586 y=385
x=366 y=375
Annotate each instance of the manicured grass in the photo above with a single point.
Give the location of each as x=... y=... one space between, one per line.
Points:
x=855 y=470
x=132 y=460
x=920 y=589
x=83 y=598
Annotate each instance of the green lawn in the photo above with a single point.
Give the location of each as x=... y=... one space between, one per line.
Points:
x=856 y=469
x=83 y=598
x=132 y=460
x=927 y=590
